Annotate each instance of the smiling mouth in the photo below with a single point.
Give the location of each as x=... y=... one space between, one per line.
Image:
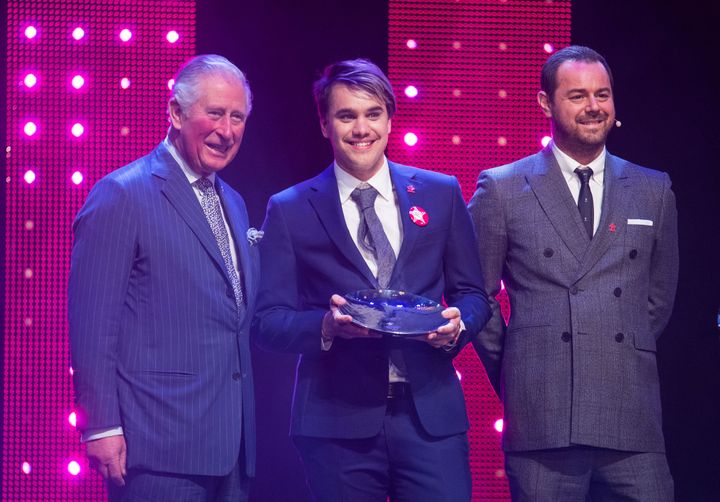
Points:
x=218 y=148
x=361 y=144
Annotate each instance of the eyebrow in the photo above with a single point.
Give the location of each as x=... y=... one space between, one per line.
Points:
x=351 y=110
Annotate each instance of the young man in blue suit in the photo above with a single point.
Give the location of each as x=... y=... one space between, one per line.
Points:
x=586 y=244
x=161 y=294
x=373 y=416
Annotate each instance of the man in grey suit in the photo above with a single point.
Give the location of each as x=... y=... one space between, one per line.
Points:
x=590 y=261
x=161 y=293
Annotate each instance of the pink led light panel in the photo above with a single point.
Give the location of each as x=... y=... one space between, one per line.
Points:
x=49 y=175
x=479 y=63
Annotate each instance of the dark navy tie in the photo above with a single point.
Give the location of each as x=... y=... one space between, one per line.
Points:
x=585 y=199
x=371 y=235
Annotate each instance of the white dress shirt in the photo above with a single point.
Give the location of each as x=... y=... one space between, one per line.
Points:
x=388 y=212
x=568 y=166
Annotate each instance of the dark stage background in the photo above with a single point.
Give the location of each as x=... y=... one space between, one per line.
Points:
x=663 y=56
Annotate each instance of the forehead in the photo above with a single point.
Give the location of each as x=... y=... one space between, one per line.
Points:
x=343 y=96
x=222 y=90
x=582 y=75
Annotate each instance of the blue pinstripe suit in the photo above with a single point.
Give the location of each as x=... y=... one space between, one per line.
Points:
x=158 y=346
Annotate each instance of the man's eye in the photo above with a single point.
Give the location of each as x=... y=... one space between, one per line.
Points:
x=576 y=97
x=214 y=113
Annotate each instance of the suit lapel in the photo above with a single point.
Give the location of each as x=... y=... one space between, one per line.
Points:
x=401 y=180
x=238 y=223
x=180 y=194
x=553 y=194
x=616 y=198
x=325 y=199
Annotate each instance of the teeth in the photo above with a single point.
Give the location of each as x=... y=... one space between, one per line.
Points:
x=364 y=143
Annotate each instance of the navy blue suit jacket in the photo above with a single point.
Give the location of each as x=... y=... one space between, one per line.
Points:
x=157 y=344
x=307 y=254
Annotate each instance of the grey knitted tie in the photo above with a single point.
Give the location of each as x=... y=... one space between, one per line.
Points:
x=585 y=199
x=371 y=235
x=210 y=203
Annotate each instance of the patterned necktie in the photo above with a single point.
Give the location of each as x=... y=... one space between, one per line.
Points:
x=371 y=235
x=585 y=199
x=210 y=203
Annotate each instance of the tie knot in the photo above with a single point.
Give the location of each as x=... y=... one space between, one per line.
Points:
x=364 y=196
x=584 y=173
x=204 y=185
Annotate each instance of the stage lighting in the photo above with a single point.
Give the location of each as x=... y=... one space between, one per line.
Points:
x=411 y=91
x=29 y=177
x=545 y=141
x=498 y=425
x=30 y=128
x=410 y=139
x=78 y=33
x=74 y=468
x=411 y=44
x=77 y=81
x=125 y=35
x=31 y=32
x=172 y=36
x=77 y=129
x=77 y=177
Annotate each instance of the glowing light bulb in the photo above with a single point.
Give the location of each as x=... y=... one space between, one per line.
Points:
x=31 y=32
x=29 y=177
x=411 y=44
x=545 y=141
x=411 y=91
x=125 y=35
x=411 y=139
x=172 y=36
x=30 y=128
x=74 y=468
x=78 y=33
x=77 y=129
x=498 y=425
x=77 y=177
x=77 y=81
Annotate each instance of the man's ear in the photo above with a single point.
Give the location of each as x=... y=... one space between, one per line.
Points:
x=176 y=114
x=544 y=102
x=323 y=127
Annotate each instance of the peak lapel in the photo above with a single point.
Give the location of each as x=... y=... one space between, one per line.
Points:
x=614 y=208
x=325 y=199
x=553 y=194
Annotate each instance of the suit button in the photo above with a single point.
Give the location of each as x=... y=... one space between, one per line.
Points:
x=548 y=252
x=617 y=292
x=633 y=254
x=236 y=376
x=573 y=290
x=565 y=337
x=619 y=337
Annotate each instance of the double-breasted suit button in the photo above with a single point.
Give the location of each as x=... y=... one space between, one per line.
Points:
x=619 y=337
x=617 y=292
x=565 y=337
x=633 y=254
x=548 y=252
x=236 y=376
x=573 y=290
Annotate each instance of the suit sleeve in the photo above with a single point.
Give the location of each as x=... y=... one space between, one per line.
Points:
x=486 y=211
x=100 y=266
x=664 y=263
x=279 y=323
x=463 y=272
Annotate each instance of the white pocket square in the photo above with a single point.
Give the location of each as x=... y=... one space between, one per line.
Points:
x=639 y=221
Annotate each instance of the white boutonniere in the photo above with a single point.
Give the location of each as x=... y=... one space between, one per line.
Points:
x=254 y=235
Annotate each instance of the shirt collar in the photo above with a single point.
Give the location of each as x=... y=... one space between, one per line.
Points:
x=568 y=164
x=191 y=175
x=381 y=182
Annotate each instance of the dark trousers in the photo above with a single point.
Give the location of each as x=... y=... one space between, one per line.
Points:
x=402 y=462
x=582 y=473
x=150 y=486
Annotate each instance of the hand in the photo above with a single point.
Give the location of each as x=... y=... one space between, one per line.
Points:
x=447 y=334
x=107 y=456
x=337 y=324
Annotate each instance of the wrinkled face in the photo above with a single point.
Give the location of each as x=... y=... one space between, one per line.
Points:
x=211 y=129
x=582 y=109
x=357 y=125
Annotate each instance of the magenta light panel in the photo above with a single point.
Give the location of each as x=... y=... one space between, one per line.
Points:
x=87 y=83
x=466 y=74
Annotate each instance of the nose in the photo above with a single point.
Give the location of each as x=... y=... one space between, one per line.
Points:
x=361 y=127
x=224 y=127
x=593 y=104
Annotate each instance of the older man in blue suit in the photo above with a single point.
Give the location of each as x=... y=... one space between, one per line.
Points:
x=162 y=287
x=586 y=244
x=373 y=416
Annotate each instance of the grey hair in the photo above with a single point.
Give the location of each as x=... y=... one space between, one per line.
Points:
x=188 y=78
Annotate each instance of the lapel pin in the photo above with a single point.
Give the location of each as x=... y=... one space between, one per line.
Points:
x=419 y=216
x=411 y=188
x=612 y=227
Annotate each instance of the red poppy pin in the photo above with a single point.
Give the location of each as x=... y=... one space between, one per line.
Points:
x=612 y=227
x=411 y=188
x=419 y=216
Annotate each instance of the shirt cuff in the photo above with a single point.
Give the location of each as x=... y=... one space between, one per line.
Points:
x=94 y=434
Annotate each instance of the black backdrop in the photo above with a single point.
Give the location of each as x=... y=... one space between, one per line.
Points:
x=663 y=56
